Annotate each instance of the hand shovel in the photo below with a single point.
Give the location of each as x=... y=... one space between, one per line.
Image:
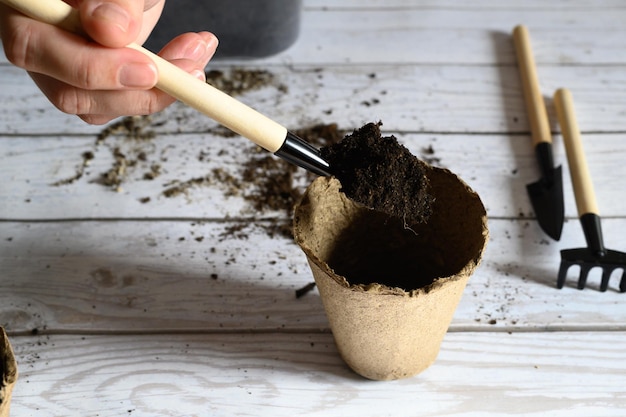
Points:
x=546 y=195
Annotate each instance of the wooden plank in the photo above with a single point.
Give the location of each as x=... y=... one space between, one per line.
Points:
x=439 y=98
x=514 y=5
x=435 y=34
x=498 y=167
x=131 y=303
x=458 y=36
x=23 y=108
x=530 y=374
x=206 y=276
x=584 y=33
x=179 y=159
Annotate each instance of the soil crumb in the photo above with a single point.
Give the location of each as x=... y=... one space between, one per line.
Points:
x=381 y=174
x=135 y=130
x=239 y=80
x=276 y=188
x=87 y=156
x=301 y=292
x=131 y=127
x=265 y=182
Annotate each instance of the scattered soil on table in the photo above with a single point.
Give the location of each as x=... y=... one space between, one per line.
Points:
x=269 y=183
x=301 y=292
x=238 y=81
x=135 y=129
x=87 y=156
x=131 y=127
x=275 y=185
x=381 y=174
x=428 y=155
x=234 y=82
x=266 y=183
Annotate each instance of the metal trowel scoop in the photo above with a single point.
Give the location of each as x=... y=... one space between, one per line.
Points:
x=546 y=195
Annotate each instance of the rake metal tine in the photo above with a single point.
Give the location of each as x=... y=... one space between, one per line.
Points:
x=582 y=278
x=563 y=273
x=606 y=275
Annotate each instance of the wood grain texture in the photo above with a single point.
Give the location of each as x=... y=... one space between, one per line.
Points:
x=498 y=167
x=578 y=33
x=194 y=276
x=534 y=374
x=122 y=301
x=536 y=5
x=586 y=201
x=407 y=98
x=535 y=105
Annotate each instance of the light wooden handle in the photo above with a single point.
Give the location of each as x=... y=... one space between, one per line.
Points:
x=172 y=80
x=579 y=171
x=535 y=106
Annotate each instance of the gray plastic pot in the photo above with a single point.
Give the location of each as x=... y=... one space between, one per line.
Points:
x=245 y=28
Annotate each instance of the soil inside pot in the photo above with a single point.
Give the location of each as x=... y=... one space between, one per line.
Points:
x=376 y=248
x=380 y=173
x=368 y=247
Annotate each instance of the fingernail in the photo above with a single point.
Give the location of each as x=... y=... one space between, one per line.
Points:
x=210 y=39
x=196 y=51
x=199 y=75
x=137 y=75
x=211 y=45
x=113 y=13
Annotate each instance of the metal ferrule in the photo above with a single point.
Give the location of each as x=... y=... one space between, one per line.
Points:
x=593 y=233
x=298 y=152
x=543 y=151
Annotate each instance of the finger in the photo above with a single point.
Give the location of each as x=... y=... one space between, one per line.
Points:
x=107 y=105
x=112 y=23
x=45 y=49
x=147 y=4
x=198 y=47
x=152 y=13
x=152 y=10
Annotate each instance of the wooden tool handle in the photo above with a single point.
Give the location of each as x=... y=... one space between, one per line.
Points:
x=535 y=106
x=579 y=171
x=172 y=80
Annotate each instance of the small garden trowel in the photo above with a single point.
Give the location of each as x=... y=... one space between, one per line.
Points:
x=546 y=195
x=208 y=100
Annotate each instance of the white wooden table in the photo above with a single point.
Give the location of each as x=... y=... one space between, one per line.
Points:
x=117 y=305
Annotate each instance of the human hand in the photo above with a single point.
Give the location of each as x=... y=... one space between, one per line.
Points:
x=99 y=79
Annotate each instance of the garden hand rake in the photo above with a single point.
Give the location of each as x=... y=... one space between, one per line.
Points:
x=595 y=254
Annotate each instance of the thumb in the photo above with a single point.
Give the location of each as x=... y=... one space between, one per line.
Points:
x=112 y=23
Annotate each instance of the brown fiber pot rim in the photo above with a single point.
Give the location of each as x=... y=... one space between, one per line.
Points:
x=457 y=230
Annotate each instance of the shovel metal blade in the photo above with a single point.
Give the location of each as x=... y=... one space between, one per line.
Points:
x=546 y=196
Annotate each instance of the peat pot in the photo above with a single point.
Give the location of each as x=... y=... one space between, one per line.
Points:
x=390 y=292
